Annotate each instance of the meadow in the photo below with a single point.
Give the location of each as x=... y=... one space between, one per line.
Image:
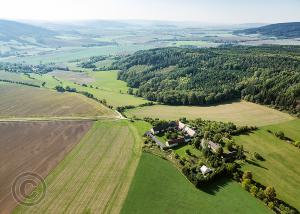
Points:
x=240 y=113
x=158 y=187
x=26 y=101
x=281 y=166
x=33 y=147
x=105 y=86
x=95 y=176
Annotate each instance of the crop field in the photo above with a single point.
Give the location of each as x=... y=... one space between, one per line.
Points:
x=77 y=77
x=25 y=101
x=18 y=77
x=281 y=166
x=158 y=187
x=106 y=86
x=240 y=113
x=36 y=147
x=95 y=176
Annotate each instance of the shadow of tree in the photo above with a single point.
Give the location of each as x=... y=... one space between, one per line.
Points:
x=215 y=186
x=256 y=164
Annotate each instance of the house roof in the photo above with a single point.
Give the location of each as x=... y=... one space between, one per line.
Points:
x=204 y=169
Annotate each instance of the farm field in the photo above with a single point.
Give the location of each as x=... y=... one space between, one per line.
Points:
x=33 y=146
x=281 y=166
x=158 y=187
x=109 y=88
x=25 y=101
x=240 y=113
x=95 y=176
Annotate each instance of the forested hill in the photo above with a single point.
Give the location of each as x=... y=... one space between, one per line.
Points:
x=281 y=30
x=267 y=75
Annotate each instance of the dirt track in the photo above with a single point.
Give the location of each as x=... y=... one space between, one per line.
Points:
x=33 y=146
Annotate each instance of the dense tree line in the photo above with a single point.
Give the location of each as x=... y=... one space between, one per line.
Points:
x=90 y=63
x=20 y=83
x=268 y=75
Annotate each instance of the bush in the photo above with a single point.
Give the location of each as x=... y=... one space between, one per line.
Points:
x=280 y=135
x=253 y=190
x=260 y=194
x=247 y=175
x=271 y=205
x=270 y=193
x=297 y=144
x=246 y=184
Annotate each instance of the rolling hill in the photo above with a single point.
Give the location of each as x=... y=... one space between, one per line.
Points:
x=23 y=33
x=280 y=30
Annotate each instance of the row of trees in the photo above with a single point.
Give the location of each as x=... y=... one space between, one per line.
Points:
x=26 y=68
x=268 y=75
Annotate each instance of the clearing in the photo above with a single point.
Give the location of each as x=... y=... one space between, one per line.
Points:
x=36 y=147
x=158 y=187
x=281 y=167
x=25 y=101
x=95 y=176
x=240 y=113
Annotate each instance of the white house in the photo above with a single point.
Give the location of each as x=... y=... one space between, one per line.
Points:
x=186 y=129
x=204 y=170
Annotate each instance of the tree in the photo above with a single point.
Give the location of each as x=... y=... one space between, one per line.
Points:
x=188 y=152
x=205 y=136
x=253 y=190
x=280 y=135
x=260 y=194
x=247 y=175
x=271 y=205
x=229 y=145
x=270 y=193
x=217 y=138
x=60 y=88
x=246 y=184
x=219 y=151
x=130 y=91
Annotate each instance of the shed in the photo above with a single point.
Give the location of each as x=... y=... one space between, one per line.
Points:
x=204 y=170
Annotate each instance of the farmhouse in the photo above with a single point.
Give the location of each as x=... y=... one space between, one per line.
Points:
x=211 y=145
x=186 y=129
x=175 y=142
x=204 y=170
x=160 y=144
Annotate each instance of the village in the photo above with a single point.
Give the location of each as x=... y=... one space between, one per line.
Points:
x=178 y=134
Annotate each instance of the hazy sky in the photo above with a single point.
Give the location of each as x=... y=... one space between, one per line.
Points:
x=208 y=11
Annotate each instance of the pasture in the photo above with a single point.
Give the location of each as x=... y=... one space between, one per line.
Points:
x=281 y=166
x=105 y=86
x=240 y=113
x=36 y=147
x=158 y=187
x=25 y=101
x=95 y=176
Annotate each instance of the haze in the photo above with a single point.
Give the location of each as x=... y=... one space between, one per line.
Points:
x=213 y=11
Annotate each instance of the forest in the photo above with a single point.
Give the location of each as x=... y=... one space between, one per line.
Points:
x=267 y=75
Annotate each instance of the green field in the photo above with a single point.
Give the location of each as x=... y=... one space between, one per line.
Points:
x=26 y=101
x=158 y=187
x=240 y=113
x=109 y=88
x=281 y=167
x=95 y=176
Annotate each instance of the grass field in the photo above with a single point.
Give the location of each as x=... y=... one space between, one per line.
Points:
x=109 y=88
x=25 y=101
x=241 y=113
x=281 y=167
x=158 y=187
x=95 y=176
x=35 y=147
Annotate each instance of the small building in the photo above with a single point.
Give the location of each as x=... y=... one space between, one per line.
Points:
x=186 y=129
x=156 y=130
x=211 y=145
x=204 y=170
x=175 y=142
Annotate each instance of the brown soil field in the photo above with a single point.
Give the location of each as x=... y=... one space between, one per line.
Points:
x=96 y=175
x=33 y=147
x=25 y=101
x=77 y=77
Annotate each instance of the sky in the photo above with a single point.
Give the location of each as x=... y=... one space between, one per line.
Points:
x=202 y=11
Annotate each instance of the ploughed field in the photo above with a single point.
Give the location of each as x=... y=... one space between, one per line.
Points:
x=33 y=147
x=26 y=101
x=240 y=113
x=158 y=187
x=95 y=176
x=281 y=168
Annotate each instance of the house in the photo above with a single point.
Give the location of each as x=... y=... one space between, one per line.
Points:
x=186 y=129
x=156 y=130
x=211 y=145
x=175 y=142
x=160 y=144
x=204 y=170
